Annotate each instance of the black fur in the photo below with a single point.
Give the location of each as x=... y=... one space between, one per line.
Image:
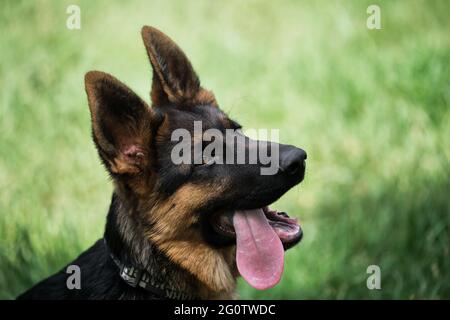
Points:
x=134 y=143
x=100 y=275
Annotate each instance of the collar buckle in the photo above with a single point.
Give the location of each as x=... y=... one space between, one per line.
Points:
x=140 y=278
x=131 y=275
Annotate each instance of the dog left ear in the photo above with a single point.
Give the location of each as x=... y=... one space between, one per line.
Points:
x=121 y=124
x=174 y=78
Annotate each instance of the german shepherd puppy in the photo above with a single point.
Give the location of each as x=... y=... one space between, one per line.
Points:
x=177 y=231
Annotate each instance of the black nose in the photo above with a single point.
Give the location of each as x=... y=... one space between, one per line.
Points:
x=292 y=160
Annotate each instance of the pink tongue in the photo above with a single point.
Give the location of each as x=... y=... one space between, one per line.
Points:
x=259 y=251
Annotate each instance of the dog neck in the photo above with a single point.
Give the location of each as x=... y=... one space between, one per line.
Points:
x=126 y=235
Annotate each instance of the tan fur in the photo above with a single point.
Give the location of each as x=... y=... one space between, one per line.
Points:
x=133 y=134
x=205 y=97
x=159 y=46
x=175 y=233
x=174 y=221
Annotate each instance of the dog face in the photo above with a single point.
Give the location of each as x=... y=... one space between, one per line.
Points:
x=195 y=210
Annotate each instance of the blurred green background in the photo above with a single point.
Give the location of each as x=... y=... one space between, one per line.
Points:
x=371 y=107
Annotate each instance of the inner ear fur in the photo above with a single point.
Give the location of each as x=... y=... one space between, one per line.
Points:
x=121 y=124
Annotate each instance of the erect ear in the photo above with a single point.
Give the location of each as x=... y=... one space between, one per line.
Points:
x=121 y=124
x=174 y=79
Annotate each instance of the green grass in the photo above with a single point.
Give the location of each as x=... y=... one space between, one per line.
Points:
x=370 y=107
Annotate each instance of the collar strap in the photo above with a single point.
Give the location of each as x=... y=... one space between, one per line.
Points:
x=141 y=278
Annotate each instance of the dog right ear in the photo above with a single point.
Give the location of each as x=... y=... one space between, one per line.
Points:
x=174 y=78
x=121 y=124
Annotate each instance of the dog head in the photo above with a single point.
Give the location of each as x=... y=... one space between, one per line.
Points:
x=192 y=179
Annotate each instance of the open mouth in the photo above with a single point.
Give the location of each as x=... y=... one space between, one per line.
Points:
x=261 y=236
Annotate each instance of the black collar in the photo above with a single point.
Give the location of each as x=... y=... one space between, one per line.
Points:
x=145 y=279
